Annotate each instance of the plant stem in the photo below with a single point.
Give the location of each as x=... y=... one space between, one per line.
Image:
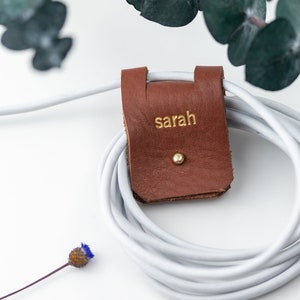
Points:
x=33 y=283
x=256 y=21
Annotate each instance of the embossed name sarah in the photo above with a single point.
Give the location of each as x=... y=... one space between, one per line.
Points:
x=188 y=119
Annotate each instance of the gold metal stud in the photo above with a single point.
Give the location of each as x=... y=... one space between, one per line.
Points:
x=178 y=158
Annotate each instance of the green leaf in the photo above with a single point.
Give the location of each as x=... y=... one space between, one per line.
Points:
x=39 y=31
x=52 y=57
x=173 y=13
x=200 y=7
x=241 y=39
x=240 y=43
x=224 y=18
x=18 y=10
x=290 y=10
x=45 y=25
x=273 y=60
x=13 y=38
x=136 y=3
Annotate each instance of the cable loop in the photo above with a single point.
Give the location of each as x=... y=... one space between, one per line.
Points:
x=184 y=270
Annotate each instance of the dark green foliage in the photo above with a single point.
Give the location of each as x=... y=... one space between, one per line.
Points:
x=13 y=38
x=136 y=3
x=38 y=30
x=240 y=43
x=231 y=22
x=173 y=13
x=289 y=10
x=200 y=5
x=271 y=52
x=273 y=61
x=18 y=10
x=47 y=58
x=223 y=17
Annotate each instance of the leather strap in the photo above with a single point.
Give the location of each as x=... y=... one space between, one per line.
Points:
x=167 y=117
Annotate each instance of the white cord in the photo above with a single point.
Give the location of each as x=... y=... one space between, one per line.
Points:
x=184 y=270
x=180 y=269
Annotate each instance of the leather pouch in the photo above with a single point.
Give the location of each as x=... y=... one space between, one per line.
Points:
x=177 y=135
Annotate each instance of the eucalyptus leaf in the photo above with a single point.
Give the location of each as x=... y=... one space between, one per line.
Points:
x=45 y=25
x=224 y=18
x=52 y=57
x=240 y=43
x=18 y=10
x=290 y=10
x=136 y=3
x=39 y=31
x=13 y=38
x=273 y=60
x=173 y=13
x=200 y=7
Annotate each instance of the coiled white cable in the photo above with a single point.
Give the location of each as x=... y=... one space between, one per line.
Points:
x=180 y=269
x=184 y=270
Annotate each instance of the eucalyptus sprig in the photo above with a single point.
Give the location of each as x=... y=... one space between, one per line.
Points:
x=36 y=24
x=270 y=52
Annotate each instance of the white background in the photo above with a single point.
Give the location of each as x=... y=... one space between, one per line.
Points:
x=48 y=160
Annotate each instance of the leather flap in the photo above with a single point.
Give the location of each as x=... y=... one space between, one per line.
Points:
x=178 y=146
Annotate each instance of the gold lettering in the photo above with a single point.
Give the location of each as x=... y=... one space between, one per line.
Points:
x=181 y=121
x=158 y=122
x=174 y=118
x=167 y=122
x=190 y=117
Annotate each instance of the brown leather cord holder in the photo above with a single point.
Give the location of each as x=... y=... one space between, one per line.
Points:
x=177 y=135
